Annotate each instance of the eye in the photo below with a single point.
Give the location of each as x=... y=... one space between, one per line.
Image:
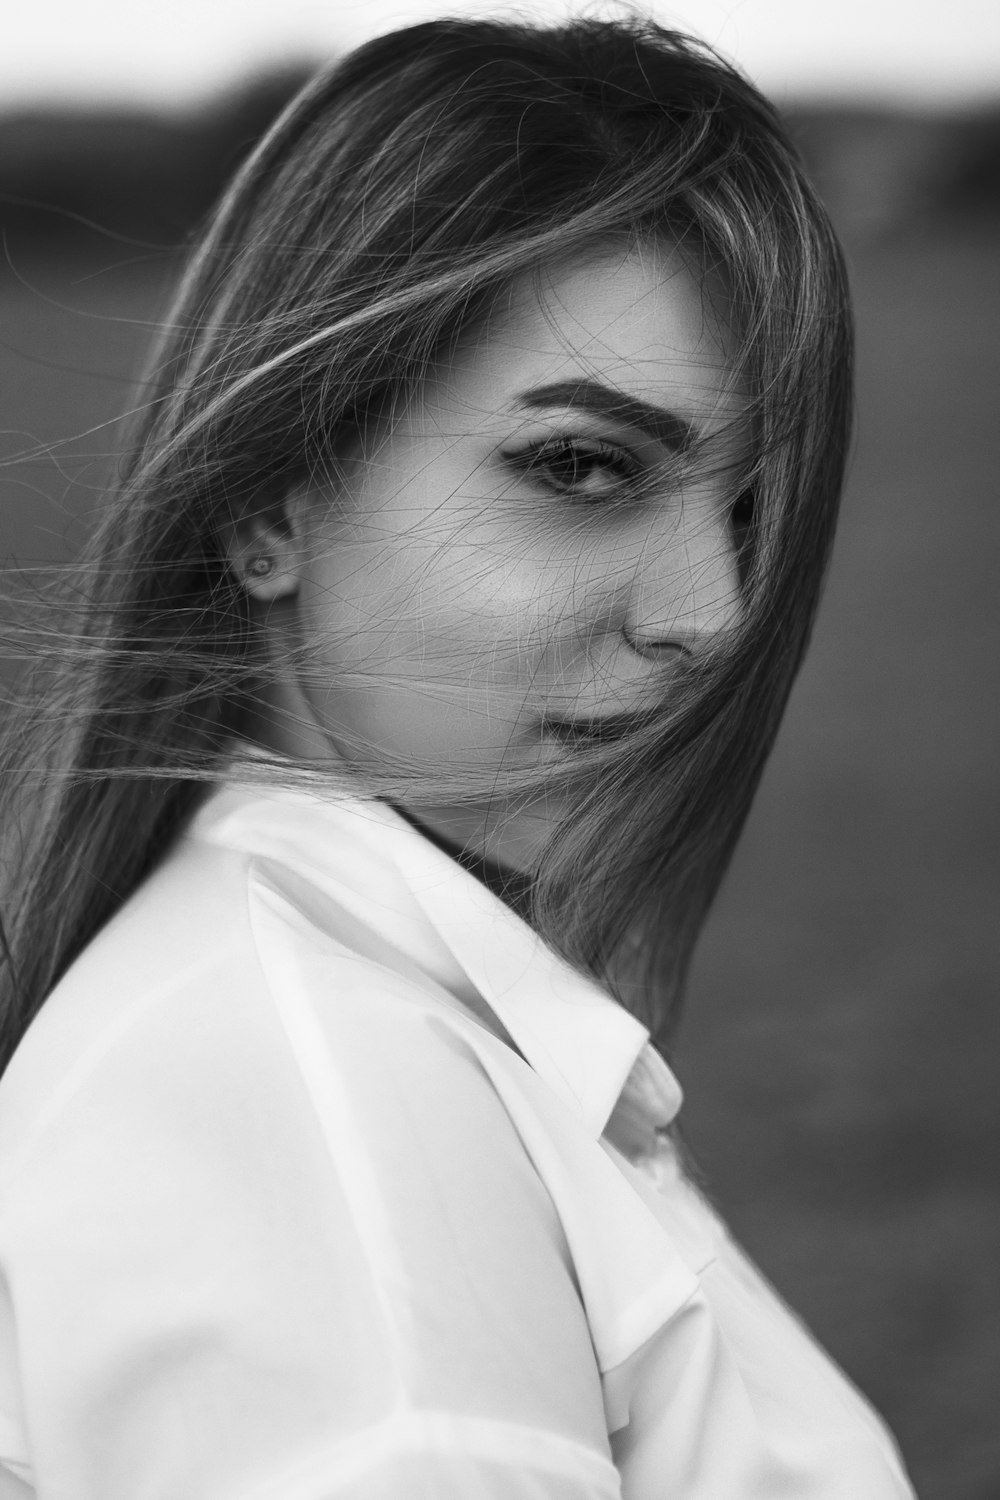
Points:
x=586 y=469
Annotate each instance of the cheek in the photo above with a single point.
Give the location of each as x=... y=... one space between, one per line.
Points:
x=416 y=660
x=393 y=610
x=466 y=609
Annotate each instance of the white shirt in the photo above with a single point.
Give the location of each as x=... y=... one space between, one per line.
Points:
x=284 y=1217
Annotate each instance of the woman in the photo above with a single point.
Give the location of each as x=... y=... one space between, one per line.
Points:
x=428 y=659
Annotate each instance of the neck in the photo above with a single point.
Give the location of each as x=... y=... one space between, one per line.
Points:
x=513 y=887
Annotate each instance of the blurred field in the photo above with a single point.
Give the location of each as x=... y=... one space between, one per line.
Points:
x=843 y=1040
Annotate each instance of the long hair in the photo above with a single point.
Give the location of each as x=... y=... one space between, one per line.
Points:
x=389 y=205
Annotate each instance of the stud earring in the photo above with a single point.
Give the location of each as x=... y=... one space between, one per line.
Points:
x=261 y=567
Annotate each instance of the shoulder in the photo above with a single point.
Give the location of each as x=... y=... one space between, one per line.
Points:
x=169 y=955
x=221 y=1077
x=218 y=991
x=225 y=1026
x=251 y=1178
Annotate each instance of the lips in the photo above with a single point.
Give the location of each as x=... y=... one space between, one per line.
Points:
x=592 y=731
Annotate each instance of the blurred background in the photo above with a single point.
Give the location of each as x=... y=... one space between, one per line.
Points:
x=842 y=1046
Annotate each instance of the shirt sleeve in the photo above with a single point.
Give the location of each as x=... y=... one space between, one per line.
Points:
x=274 y=1238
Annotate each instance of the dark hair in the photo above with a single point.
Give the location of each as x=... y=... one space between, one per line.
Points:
x=390 y=203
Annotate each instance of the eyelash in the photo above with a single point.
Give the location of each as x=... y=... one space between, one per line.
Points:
x=629 y=473
x=540 y=461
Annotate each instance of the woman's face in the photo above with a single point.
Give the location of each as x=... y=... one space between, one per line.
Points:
x=533 y=544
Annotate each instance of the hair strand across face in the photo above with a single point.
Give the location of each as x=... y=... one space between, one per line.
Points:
x=389 y=208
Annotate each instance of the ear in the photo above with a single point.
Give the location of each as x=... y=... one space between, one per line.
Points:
x=265 y=553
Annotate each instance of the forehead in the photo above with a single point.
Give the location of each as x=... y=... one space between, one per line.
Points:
x=639 y=318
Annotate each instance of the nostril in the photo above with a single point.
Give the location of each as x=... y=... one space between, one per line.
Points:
x=659 y=644
x=689 y=583
x=708 y=601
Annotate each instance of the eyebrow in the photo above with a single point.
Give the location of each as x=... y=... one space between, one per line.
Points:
x=590 y=395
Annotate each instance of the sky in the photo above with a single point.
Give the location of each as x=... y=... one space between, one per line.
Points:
x=171 y=53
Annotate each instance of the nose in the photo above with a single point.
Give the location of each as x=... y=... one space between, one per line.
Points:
x=686 y=586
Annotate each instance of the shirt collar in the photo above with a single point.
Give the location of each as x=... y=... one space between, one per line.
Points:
x=363 y=854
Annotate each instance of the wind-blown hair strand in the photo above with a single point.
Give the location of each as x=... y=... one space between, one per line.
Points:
x=388 y=208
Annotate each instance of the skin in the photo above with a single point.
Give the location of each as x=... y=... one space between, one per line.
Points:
x=461 y=585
